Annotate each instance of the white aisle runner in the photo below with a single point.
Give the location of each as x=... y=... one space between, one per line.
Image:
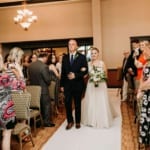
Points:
x=87 y=138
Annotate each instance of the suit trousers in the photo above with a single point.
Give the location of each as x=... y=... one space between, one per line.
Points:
x=45 y=108
x=76 y=97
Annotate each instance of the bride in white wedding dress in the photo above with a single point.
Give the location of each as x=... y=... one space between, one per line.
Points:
x=96 y=109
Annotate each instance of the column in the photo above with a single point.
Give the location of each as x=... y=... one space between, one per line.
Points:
x=97 y=25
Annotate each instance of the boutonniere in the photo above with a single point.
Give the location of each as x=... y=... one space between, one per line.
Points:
x=76 y=56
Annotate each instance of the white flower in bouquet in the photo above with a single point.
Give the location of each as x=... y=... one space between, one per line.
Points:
x=97 y=75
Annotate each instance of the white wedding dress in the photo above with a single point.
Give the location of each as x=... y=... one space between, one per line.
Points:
x=96 y=110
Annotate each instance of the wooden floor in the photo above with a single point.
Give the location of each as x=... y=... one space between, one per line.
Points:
x=129 y=128
x=129 y=132
x=42 y=135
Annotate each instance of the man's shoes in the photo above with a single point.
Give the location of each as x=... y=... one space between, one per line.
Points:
x=69 y=126
x=78 y=126
x=49 y=125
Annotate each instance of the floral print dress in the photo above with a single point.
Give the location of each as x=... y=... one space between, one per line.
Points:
x=7 y=112
x=144 y=125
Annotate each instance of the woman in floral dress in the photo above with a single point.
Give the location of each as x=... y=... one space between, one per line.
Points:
x=144 y=123
x=9 y=80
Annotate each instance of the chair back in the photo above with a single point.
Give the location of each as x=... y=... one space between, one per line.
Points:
x=52 y=90
x=35 y=92
x=22 y=104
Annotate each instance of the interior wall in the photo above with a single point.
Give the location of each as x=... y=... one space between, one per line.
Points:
x=122 y=19
x=61 y=50
x=9 y=1
x=56 y=20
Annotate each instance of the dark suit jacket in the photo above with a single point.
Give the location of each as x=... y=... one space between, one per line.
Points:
x=79 y=63
x=130 y=62
x=39 y=75
x=124 y=68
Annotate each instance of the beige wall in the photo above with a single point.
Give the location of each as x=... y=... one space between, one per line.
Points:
x=55 y=21
x=60 y=51
x=9 y=1
x=120 y=20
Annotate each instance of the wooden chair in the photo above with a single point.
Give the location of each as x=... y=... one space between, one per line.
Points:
x=21 y=105
x=23 y=131
x=35 y=106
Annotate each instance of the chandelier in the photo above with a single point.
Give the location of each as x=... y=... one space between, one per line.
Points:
x=25 y=17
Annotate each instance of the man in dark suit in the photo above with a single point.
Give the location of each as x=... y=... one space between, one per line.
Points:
x=39 y=75
x=74 y=67
x=130 y=65
x=126 y=54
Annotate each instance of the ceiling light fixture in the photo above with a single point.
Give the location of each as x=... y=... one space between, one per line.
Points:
x=25 y=17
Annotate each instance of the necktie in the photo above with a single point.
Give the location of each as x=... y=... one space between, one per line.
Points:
x=71 y=60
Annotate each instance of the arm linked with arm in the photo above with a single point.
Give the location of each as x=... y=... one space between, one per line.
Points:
x=83 y=70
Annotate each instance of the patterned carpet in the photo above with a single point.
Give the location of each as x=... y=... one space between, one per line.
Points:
x=129 y=129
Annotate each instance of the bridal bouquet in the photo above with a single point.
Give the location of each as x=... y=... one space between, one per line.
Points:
x=97 y=75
